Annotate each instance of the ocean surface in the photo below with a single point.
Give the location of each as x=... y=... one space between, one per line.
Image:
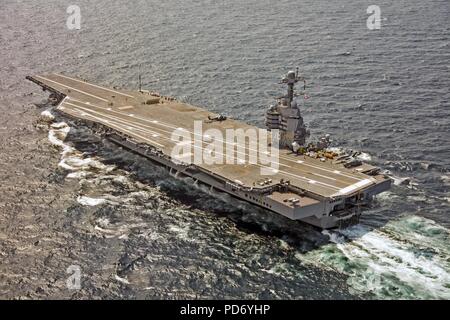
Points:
x=135 y=231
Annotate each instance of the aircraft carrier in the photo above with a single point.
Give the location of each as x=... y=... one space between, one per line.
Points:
x=312 y=182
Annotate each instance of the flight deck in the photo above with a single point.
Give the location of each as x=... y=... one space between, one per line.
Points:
x=142 y=121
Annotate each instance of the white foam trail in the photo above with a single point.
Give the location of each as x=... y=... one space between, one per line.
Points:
x=79 y=175
x=105 y=230
x=334 y=236
x=399 y=181
x=386 y=196
x=74 y=163
x=47 y=116
x=405 y=259
x=388 y=256
x=56 y=136
x=59 y=125
x=58 y=133
x=123 y=280
x=71 y=159
x=87 y=201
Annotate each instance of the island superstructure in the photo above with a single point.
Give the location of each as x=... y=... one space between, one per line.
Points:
x=313 y=183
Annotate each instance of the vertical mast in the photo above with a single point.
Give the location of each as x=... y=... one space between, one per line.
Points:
x=291 y=79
